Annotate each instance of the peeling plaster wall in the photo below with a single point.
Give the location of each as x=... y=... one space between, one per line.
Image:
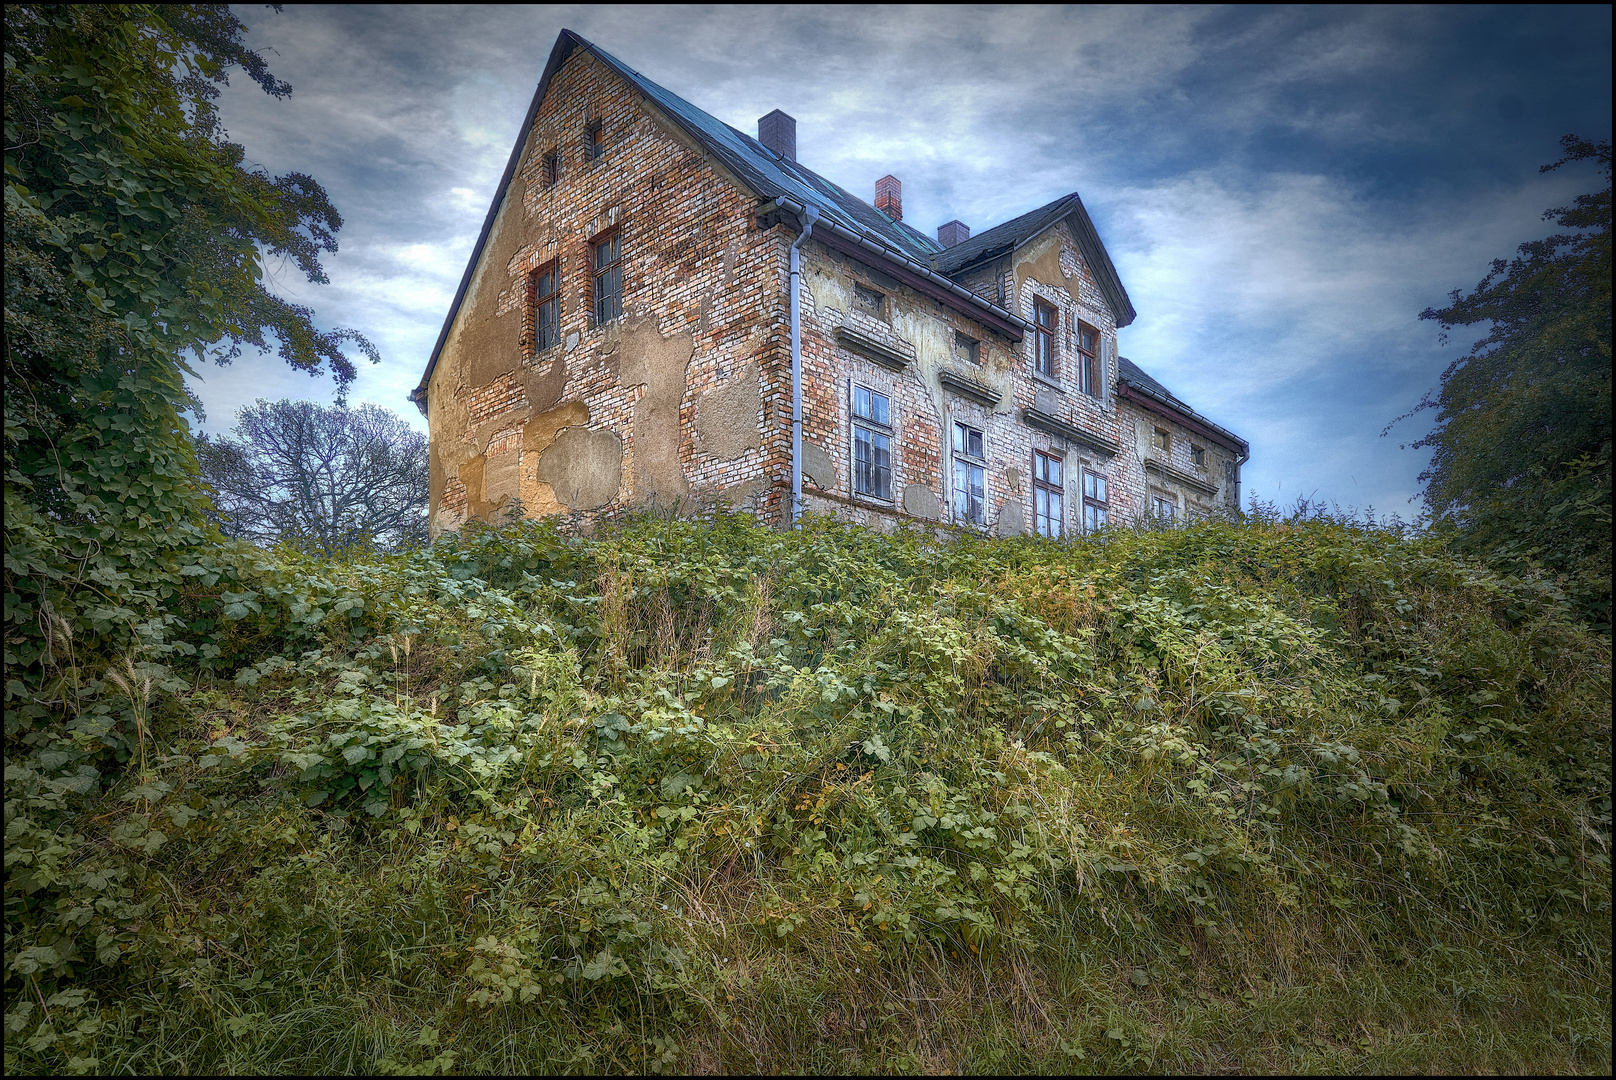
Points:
x=686 y=398
x=1051 y=268
x=610 y=416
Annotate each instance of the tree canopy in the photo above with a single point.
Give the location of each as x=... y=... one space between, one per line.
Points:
x=1520 y=454
x=326 y=480
x=134 y=239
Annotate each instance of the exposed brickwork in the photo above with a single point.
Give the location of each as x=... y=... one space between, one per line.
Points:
x=659 y=404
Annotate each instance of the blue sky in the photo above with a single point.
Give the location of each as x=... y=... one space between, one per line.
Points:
x=1283 y=190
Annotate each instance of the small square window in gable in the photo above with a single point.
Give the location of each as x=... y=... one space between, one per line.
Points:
x=869 y=302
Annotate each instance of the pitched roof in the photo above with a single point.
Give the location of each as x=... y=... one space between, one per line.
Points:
x=1004 y=238
x=1132 y=374
x=771 y=176
x=766 y=173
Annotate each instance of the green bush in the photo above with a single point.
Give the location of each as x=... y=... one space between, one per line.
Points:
x=700 y=795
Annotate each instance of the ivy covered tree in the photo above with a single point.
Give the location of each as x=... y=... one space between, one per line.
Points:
x=325 y=480
x=1520 y=455
x=133 y=244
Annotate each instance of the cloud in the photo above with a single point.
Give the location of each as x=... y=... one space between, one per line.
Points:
x=1282 y=189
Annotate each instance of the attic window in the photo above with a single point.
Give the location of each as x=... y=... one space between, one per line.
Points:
x=1198 y=455
x=594 y=141
x=869 y=301
x=1161 y=440
x=552 y=168
x=965 y=348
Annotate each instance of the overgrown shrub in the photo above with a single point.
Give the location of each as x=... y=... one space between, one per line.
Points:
x=700 y=795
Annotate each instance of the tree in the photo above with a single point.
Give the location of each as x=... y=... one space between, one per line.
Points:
x=1521 y=452
x=323 y=479
x=133 y=240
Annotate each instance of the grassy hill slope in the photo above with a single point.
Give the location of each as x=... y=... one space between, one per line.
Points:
x=701 y=796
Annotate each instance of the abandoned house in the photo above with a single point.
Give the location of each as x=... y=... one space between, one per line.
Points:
x=662 y=308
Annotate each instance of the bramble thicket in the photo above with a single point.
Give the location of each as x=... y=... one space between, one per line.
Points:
x=1270 y=794
x=702 y=795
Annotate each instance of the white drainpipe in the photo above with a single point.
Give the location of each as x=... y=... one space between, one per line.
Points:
x=810 y=215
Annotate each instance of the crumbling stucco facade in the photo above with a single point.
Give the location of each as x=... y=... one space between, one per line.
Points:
x=681 y=394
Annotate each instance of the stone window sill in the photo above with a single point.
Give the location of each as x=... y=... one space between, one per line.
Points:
x=1053 y=384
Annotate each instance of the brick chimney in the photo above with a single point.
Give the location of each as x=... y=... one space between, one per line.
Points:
x=952 y=233
x=889 y=197
x=778 y=132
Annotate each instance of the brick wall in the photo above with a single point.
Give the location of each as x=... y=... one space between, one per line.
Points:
x=687 y=396
x=703 y=306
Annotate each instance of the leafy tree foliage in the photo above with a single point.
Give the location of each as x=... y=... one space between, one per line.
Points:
x=133 y=239
x=1520 y=455
x=326 y=480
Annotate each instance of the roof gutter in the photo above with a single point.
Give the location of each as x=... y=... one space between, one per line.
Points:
x=918 y=269
x=1229 y=438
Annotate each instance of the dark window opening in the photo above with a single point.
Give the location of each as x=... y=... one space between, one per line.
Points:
x=546 y=309
x=965 y=348
x=1198 y=456
x=552 y=168
x=609 y=279
x=869 y=301
x=1048 y=495
x=1088 y=370
x=594 y=141
x=1044 y=337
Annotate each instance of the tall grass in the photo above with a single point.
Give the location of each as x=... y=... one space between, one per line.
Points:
x=697 y=796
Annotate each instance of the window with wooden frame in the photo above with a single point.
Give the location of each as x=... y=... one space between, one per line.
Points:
x=970 y=475
x=608 y=266
x=1048 y=495
x=872 y=443
x=1088 y=363
x=1044 y=322
x=550 y=169
x=545 y=297
x=1096 y=502
x=1163 y=507
x=594 y=141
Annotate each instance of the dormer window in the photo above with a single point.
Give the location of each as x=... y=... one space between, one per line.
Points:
x=869 y=301
x=594 y=141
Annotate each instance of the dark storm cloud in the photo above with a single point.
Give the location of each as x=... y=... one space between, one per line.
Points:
x=1282 y=189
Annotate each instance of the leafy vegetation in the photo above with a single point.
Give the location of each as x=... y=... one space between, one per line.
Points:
x=1520 y=455
x=133 y=239
x=1277 y=795
x=324 y=480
